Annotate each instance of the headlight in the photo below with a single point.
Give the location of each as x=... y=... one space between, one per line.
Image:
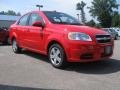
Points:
x=79 y=36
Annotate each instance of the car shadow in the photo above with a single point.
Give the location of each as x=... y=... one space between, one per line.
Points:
x=36 y=56
x=100 y=67
x=10 y=87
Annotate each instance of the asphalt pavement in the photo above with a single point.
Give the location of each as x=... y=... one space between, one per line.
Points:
x=32 y=71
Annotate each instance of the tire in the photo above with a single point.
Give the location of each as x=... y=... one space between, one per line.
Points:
x=57 y=56
x=15 y=46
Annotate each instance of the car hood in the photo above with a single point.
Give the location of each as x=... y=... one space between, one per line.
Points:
x=84 y=29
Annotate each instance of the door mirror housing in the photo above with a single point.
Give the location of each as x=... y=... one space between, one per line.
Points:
x=38 y=24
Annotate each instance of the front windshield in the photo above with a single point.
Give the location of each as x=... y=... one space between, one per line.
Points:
x=61 y=18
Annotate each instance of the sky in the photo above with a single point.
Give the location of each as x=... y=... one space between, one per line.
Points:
x=24 y=6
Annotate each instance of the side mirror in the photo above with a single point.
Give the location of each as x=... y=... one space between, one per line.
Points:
x=38 y=24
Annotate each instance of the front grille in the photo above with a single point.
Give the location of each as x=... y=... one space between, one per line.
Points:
x=103 y=38
x=86 y=56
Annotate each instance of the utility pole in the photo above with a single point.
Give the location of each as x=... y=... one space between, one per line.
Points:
x=39 y=6
x=78 y=16
x=81 y=6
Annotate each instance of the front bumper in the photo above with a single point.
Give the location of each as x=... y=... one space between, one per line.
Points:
x=88 y=52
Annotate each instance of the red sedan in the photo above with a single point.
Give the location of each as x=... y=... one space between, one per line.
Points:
x=61 y=37
x=4 y=36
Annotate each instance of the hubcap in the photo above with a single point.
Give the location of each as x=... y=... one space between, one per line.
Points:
x=55 y=56
x=14 y=45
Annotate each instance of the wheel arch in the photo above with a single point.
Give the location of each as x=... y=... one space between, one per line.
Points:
x=56 y=42
x=12 y=39
x=14 y=36
x=53 y=42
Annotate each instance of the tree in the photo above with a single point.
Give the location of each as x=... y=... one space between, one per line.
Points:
x=18 y=14
x=80 y=6
x=10 y=12
x=2 y=12
x=116 y=20
x=91 y=23
x=103 y=10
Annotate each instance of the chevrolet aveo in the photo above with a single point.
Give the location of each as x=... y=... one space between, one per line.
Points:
x=61 y=37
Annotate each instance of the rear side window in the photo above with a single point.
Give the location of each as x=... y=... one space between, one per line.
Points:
x=35 y=17
x=24 y=20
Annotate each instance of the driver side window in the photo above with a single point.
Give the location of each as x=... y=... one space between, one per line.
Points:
x=34 y=17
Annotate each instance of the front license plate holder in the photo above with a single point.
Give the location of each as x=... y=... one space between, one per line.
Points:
x=108 y=50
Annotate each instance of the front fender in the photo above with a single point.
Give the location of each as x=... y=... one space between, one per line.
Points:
x=58 y=39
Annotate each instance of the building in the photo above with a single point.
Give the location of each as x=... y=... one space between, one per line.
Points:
x=7 y=20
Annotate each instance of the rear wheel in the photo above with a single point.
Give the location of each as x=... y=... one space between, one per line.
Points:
x=57 y=56
x=15 y=46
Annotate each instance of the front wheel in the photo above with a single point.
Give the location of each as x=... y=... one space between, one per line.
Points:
x=15 y=47
x=57 y=56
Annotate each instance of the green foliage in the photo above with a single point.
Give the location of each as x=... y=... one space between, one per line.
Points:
x=91 y=23
x=10 y=12
x=116 y=20
x=103 y=10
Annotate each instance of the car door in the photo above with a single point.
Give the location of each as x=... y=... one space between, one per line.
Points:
x=35 y=34
x=22 y=29
x=1 y=34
